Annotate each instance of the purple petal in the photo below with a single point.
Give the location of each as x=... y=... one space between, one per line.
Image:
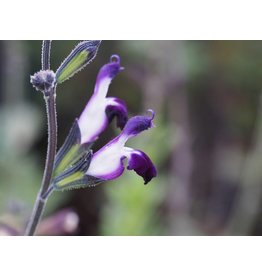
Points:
x=142 y=165
x=117 y=108
x=138 y=124
x=106 y=74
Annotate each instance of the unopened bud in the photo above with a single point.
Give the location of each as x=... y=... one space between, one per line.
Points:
x=43 y=81
x=82 y=55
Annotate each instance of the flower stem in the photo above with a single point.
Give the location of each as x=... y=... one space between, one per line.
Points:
x=51 y=148
x=46 y=49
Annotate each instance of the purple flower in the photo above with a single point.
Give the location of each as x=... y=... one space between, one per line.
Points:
x=108 y=162
x=100 y=110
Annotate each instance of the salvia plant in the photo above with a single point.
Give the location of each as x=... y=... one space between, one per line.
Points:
x=75 y=165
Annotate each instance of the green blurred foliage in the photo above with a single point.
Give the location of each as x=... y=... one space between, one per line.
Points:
x=20 y=172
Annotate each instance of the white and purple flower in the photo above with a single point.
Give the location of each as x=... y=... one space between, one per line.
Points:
x=108 y=162
x=100 y=110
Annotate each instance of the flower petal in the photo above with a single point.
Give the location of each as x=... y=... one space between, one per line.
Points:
x=106 y=74
x=116 y=108
x=138 y=124
x=107 y=163
x=93 y=120
x=141 y=164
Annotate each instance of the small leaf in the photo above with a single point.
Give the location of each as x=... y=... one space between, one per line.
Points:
x=82 y=55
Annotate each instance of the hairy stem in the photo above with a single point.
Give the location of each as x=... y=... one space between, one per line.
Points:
x=51 y=149
x=46 y=49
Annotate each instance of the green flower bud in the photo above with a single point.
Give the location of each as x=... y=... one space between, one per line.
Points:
x=82 y=55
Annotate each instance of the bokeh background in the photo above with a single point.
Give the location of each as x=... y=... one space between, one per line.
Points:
x=207 y=144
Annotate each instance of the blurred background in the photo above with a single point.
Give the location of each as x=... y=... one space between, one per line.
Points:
x=207 y=144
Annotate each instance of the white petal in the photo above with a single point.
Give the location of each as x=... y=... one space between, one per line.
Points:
x=106 y=163
x=93 y=119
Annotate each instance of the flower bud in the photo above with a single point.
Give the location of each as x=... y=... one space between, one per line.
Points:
x=82 y=55
x=43 y=81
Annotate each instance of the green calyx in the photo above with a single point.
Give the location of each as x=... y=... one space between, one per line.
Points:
x=69 y=158
x=71 y=163
x=66 y=183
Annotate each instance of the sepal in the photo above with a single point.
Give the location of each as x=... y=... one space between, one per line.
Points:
x=80 y=166
x=74 y=177
x=70 y=150
x=78 y=183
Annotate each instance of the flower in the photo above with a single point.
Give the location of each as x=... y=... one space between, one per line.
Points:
x=100 y=110
x=107 y=163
